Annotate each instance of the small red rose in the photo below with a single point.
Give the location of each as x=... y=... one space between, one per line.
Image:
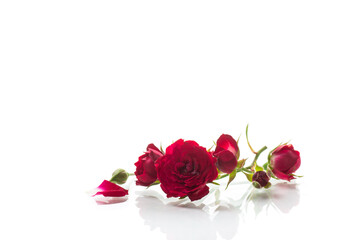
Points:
x=284 y=161
x=226 y=153
x=145 y=166
x=109 y=189
x=185 y=169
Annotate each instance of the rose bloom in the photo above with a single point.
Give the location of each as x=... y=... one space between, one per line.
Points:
x=145 y=166
x=185 y=169
x=284 y=161
x=226 y=153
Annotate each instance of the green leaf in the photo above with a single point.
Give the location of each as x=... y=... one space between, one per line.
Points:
x=119 y=176
x=232 y=176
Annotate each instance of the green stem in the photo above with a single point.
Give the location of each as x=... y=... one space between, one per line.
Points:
x=246 y=170
x=237 y=170
x=257 y=155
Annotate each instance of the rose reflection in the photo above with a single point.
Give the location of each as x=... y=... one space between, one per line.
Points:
x=183 y=220
x=281 y=196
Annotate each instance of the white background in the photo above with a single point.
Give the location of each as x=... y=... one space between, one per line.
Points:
x=86 y=85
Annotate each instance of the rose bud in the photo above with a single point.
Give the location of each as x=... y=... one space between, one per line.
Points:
x=284 y=161
x=145 y=166
x=185 y=169
x=226 y=153
x=261 y=178
x=119 y=176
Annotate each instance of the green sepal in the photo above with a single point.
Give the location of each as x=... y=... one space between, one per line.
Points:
x=258 y=168
x=265 y=166
x=214 y=183
x=211 y=147
x=247 y=139
x=237 y=155
x=241 y=163
x=237 y=141
x=249 y=176
x=273 y=176
x=270 y=173
x=119 y=176
x=256 y=184
x=296 y=175
x=232 y=176
x=268 y=185
x=153 y=184
x=269 y=155
x=182 y=197
x=161 y=148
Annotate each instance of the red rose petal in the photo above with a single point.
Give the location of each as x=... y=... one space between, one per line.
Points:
x=226 y=153
x=199 y=193
x=109 y=189
x=227 y=142
x=226 y=161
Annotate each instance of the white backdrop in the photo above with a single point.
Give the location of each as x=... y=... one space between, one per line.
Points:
x=86 y=85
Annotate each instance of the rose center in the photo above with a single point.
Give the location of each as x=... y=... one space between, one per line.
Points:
x=186 y=167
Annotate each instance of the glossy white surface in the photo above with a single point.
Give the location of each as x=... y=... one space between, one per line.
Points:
x=86 y=85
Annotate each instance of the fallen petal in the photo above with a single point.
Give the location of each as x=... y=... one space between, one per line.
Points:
x=109 y=189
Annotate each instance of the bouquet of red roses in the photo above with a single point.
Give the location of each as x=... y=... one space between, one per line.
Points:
x=185 y=168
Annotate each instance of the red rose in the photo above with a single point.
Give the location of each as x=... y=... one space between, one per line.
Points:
x=284 y=161
x=226 y=152
x=109 y=189
x=261 y=178
x=185 y=169
x=145 y=166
